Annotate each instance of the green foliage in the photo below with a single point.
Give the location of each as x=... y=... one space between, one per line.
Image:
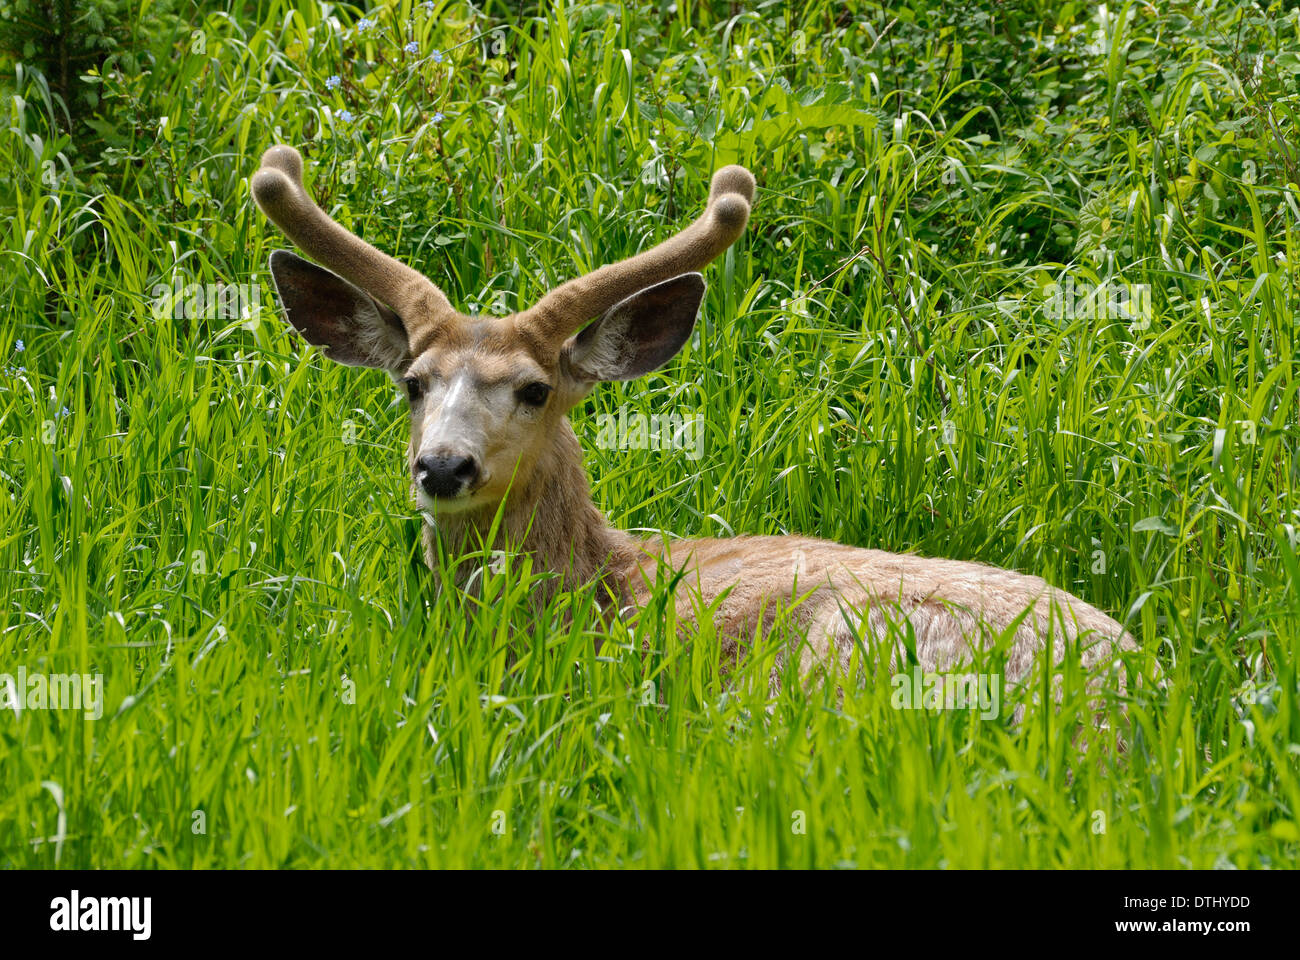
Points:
x=67 y=41
x=214 y=518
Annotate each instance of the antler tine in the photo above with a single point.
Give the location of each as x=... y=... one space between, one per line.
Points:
x=277 y=188
x=569 y=306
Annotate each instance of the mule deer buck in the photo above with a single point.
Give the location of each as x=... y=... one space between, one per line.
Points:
x=489 y=401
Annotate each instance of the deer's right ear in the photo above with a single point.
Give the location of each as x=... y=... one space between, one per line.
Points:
x=350 y=325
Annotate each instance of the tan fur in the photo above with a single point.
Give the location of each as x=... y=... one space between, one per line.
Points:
x=846 y=598
x=845 y=595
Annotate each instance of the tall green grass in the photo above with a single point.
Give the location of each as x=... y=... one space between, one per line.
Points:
x=220 y=524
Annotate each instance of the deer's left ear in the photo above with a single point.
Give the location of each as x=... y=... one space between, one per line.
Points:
x=637 y=335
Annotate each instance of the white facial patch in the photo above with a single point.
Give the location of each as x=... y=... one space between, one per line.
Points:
x=456 y=419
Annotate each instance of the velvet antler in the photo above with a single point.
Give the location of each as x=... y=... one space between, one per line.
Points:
x=569 y=306
x=278 y=190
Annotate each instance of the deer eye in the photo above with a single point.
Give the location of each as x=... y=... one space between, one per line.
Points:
x=413 y=388
x=534 y=394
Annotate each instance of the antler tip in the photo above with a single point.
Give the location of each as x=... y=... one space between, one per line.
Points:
x=284 y=158
x=271 y=189
x=733 y=179
x=731 y=211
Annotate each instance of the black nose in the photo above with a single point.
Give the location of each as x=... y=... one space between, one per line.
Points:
x=445 y=476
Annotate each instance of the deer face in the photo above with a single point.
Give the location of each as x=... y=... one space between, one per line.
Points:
x=487 y=398
x=488 y=395
x=482 y=410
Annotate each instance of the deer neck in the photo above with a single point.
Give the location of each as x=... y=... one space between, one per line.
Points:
x=551 y=518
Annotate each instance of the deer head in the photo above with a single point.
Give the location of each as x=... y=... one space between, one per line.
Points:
x=488 y=395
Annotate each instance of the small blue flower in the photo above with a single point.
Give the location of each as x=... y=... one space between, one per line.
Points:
x=428 y=6
x=412 y=47
x=436 y=55
x=438 y=117
x=332 y=83
x=364 y=24
x=346 y=116
x=61 y=414
x=19 y=346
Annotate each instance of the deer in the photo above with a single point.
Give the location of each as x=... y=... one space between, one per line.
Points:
x=491 y=442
